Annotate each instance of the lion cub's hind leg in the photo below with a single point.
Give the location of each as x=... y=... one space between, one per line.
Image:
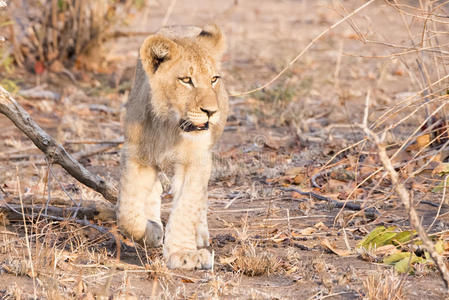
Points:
x=140 y=203
x=154 y=232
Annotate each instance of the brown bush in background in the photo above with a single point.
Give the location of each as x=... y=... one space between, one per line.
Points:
x=63 y=33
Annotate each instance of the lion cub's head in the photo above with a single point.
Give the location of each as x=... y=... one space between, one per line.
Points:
x=182 y=64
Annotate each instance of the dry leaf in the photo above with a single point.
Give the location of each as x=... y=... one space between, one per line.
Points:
x=320 y=226
x=423 y=141
x=295 y=235
x=292 y=270
x=299 y=179
x=335 y=184
x=307 y=231
x=227 y=260
x=385 y=250
x=441 y=169
x=297 y=195
x=295 y=171
x=326 y=244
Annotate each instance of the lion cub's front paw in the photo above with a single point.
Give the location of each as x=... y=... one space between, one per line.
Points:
x=153 y=234
x=191 y=259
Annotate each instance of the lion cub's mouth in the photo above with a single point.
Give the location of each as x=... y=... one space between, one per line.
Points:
x=188 y=126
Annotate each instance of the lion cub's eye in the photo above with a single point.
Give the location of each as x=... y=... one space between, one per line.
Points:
x=214 y=79
x=187 y=80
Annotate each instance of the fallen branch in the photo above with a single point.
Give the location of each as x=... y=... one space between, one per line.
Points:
x=370 y=212
x=39 y=93
x=54 y=211
x=14 y=209
x=102 y=210
x=54 y=152
x=405 y=197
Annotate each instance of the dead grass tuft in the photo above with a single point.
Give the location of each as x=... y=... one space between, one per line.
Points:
x=157 y=269
x=251 y=262
x=384 y=286
x=17 y=266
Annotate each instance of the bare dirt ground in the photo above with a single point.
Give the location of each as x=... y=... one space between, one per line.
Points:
x=269 y=243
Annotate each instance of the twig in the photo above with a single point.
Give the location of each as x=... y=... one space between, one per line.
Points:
x=53 y=151
x=49 y=174
x=289 y=226
x=303 y=51
x=27 y=239
x=441 y=203
x=239 y=196
x=104 y=142
x=406 y=200
x=78 y=204
x=429 y=203
x=325 y=172
x=93 y=151
x=168 y=13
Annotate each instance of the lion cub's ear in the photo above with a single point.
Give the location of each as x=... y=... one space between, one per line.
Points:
x=156 y=50
x=213 y=40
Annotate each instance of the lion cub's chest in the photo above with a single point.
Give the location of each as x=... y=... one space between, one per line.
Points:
x=189 y=148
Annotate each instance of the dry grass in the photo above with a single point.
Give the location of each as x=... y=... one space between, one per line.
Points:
x=58 y=251
x=157 y=269
x=384 y=286
x=251 y=261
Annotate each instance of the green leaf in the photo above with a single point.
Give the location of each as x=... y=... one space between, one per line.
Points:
x=372 y=235
x=404 y=236
x=394 y=258
x=403 y=265
x=404 y=262
x=440 y=186
x=443 y=169
x=439 y=246
x=381 y=236
x=9 y=85
x=385 y=238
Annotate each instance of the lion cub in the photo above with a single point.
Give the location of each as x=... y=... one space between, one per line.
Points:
x=176 y=111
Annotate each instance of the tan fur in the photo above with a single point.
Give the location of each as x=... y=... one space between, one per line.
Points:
x=159 y=100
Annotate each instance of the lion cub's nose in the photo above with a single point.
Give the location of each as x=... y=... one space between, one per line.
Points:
x=208 y=112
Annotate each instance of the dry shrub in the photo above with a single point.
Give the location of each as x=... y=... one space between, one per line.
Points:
x=384 y=286
x=54 y=34
x=251 y=262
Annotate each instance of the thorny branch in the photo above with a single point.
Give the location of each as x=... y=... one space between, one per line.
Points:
x=54 y=152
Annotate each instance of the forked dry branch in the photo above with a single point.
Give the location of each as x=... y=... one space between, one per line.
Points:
x=54 y=152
